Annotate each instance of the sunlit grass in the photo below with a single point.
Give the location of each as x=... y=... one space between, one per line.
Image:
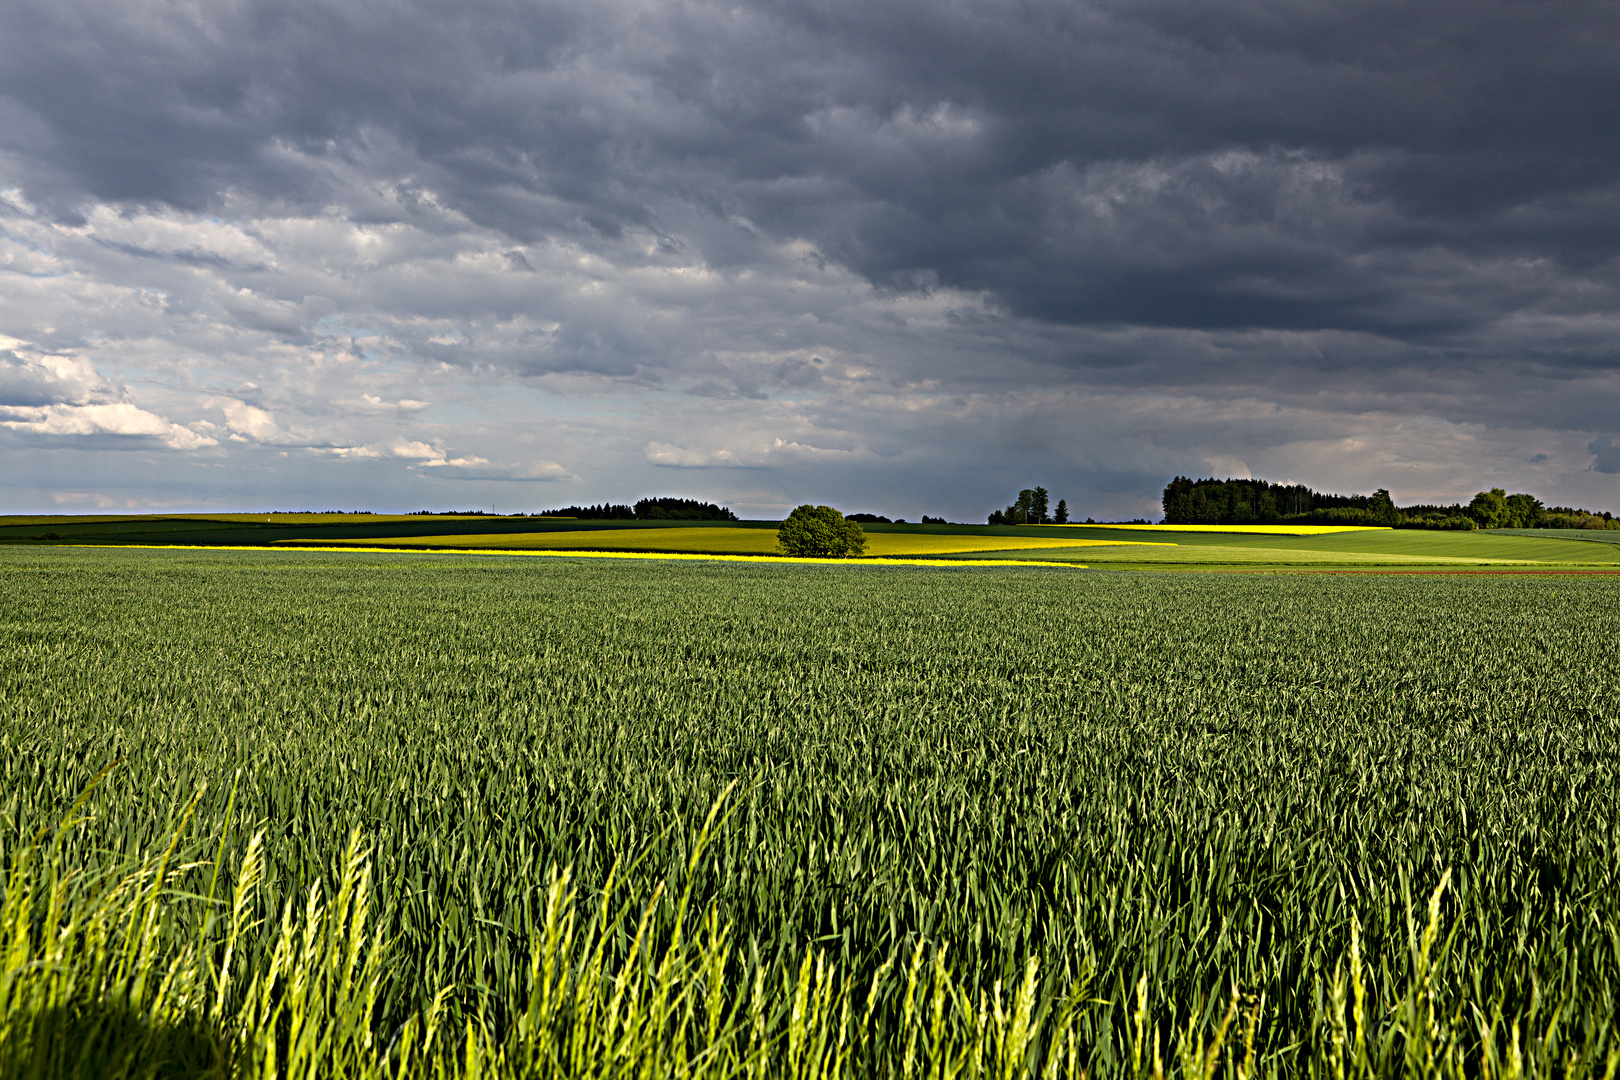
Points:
x=1380 y=547
x=121 y=970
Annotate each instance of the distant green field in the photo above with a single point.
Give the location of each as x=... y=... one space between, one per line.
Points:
x=1359 y=549
x=731 y=541
x=1259 y=529
x=1203 y=807
x=1397 y=549
x=256 y=529
x=1599 y=536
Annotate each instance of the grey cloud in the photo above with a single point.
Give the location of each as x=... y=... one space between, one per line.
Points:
x=938 y=111
x=1605 y=454
x=194 y=258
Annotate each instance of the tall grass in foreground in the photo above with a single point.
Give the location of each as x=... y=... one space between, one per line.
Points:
x=1157 y=788
x=118 y=973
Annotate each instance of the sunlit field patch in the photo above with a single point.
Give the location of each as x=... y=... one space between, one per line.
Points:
x=1296 y=556
x=1393 y=548
x=1263 y=530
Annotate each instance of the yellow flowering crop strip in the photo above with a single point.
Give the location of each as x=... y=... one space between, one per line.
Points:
x=666 y=556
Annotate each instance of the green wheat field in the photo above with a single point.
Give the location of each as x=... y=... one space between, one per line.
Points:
x=295 y=814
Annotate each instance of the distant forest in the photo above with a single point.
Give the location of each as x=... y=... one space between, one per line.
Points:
x=1240 y=502
x=661 y=509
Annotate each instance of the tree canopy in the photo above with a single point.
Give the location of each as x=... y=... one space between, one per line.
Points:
x=604 y=512
x=1240 y=502
x=672 y=509
x=652 y=509
x=820 y=532
x=1029 y=509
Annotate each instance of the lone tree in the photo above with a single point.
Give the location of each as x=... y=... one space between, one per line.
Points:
x=1061 y=517
x=820 y=532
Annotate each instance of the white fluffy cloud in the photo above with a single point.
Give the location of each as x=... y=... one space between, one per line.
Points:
x=121 y=418
x=49 y=394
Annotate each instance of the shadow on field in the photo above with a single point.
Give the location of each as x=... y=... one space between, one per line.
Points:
x=111 y=1042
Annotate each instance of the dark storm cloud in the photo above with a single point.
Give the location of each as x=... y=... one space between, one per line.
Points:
x=1361 y=166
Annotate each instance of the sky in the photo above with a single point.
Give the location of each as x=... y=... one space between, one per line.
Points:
x=901 y=256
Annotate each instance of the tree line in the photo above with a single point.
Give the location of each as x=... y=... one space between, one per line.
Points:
x=653 y=509
x=1241 y=502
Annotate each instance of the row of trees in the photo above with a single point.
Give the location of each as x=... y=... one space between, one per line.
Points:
x=670 y=509
x=1496 y=509
x=1030 y=508
x=1241 y=502
x=659 y=509
x=879 y=519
